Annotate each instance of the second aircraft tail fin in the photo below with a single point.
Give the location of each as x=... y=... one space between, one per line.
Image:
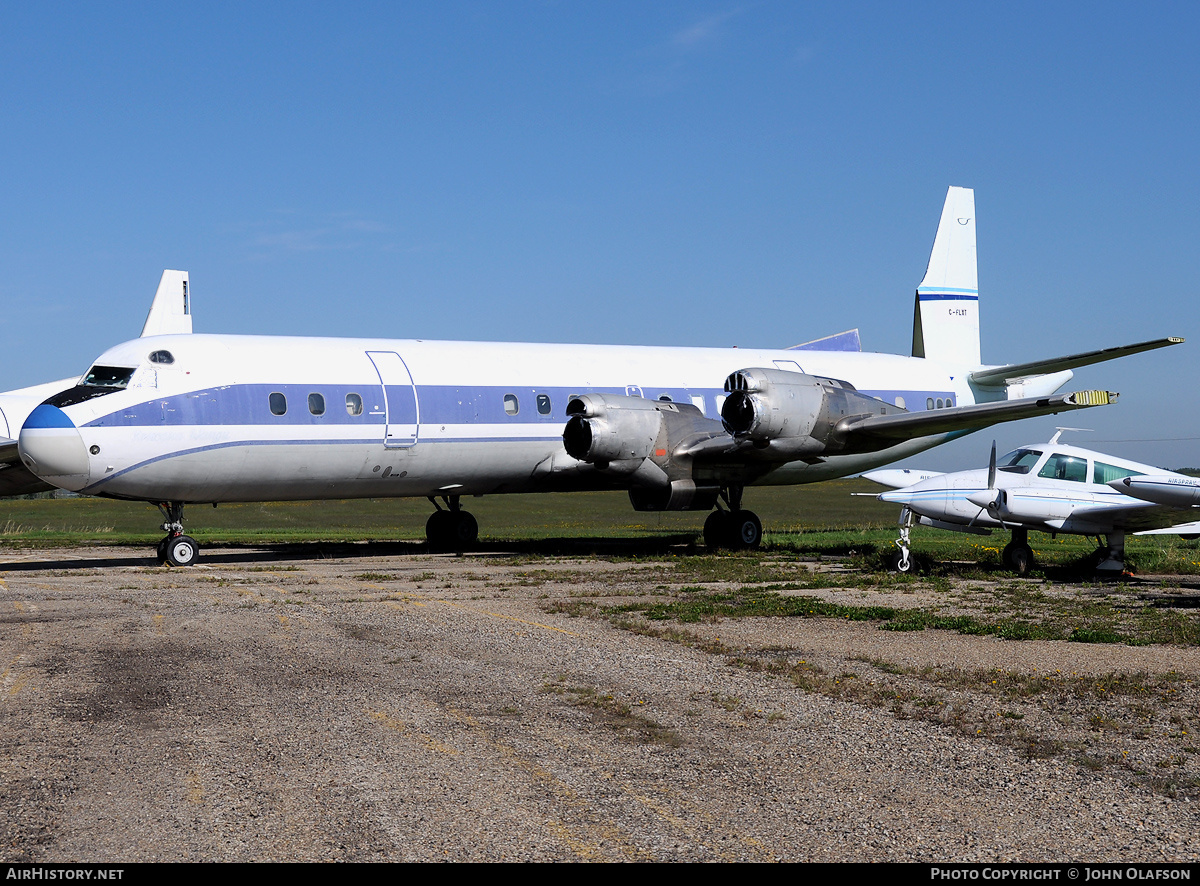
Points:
x=171 y=310
x=946 y=313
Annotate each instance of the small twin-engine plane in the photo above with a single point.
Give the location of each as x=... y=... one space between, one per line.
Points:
x=1048 y=487
x=179 y=418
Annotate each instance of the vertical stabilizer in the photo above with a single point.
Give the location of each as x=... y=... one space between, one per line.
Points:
x=171 y=310
x=946 y=317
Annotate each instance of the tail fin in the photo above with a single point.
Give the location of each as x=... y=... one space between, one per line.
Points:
x=171 y=310
x=946 y=314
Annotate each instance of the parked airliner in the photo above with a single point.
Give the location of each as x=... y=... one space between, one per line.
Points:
x=180 y=419
x=1050 y=487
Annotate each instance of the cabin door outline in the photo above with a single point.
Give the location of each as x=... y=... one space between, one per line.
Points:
x=403 y=422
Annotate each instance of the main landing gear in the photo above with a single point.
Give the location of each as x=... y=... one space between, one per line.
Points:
x=176 y=549
x=452 y=528
x=735 y=528
x=1017 y=554
x=1110 y=556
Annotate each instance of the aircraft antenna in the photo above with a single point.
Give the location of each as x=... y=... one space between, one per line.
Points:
x=1059 y=431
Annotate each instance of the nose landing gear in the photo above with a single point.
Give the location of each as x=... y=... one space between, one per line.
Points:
x=176 y=549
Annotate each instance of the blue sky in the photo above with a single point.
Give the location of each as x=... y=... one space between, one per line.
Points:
x=710 y=174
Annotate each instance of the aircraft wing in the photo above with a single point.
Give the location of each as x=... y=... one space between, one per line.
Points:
x=866 y=433
x=1184 y=529
x=1015 y=372
x=15 y=478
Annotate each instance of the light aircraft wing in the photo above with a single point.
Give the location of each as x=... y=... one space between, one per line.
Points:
x=1015 y=372
x=900 y=478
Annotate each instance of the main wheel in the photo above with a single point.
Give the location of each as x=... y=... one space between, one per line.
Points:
x=438 y=529
x=717 y=529
x=1020 y=558
x=182 y=550
x=464 y=531
x=746 y=531
x=161 y=551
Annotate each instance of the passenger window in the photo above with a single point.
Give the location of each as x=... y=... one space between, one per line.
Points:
x=278 y=403
x=1065 y=467
x=510 y=404
x=543 y=404
x=316 y=404
x=929 y=403
x=1102 y=473
x=353 y=404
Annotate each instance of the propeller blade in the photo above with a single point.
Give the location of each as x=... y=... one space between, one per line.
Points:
x=992 y=468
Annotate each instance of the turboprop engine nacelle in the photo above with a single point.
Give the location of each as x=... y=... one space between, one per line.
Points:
x=645 y=443
x=793 y=414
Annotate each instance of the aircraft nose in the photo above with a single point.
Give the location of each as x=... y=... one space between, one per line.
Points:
x=52 y=448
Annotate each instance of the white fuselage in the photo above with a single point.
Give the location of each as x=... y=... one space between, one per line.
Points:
x=256 y=418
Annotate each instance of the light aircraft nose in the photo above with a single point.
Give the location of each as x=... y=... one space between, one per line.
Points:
x=52 y=448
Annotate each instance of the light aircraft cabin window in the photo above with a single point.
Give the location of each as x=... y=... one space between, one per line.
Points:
x=278 y=403
x=353 y=404
x=316 y=404
x=1102 y=473
x=511 y=406
x=165 y=358
x=1019 y=461
x=1065 y=467
x=543 y=404
x=107 y=377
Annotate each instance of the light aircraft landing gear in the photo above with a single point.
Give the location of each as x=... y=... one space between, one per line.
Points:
x=1017 y=554
x=1112 y=554
x=451 y=528
x=736 y=529
x=176 y=549
x=901 y=561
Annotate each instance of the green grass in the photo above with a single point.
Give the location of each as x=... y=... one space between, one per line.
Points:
x=818 y=520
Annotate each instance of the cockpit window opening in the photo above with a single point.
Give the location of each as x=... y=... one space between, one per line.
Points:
x=666 y=398
x=511 y=406
x=543 y=404
x=165 y=358
x=1019 y=461
x=316 y=404
x=107 y=377
x=353 y=404
x=278 y=403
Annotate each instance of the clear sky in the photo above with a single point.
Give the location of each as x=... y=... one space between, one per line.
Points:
x=756 y=174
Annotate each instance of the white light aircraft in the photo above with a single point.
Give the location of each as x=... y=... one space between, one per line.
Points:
x=181 y=419
x=1049 y=487
x=170 y=314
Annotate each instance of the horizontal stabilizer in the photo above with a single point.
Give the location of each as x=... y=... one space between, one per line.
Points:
x=865 y=433
x=841 y=341
x=1015 y=372
x=171 y=310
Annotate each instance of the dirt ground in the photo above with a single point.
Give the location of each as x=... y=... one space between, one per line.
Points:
x=383 y=703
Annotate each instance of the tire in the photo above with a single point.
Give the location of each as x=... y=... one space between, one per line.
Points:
x=437 y=530
x=464 y=531
x=717 y=530
x=745 y=531
x=901 y=563
x=1021 y=559
x=161 y=552
x=182 y=550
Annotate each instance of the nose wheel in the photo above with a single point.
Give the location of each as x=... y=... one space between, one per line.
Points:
x=176 y=549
